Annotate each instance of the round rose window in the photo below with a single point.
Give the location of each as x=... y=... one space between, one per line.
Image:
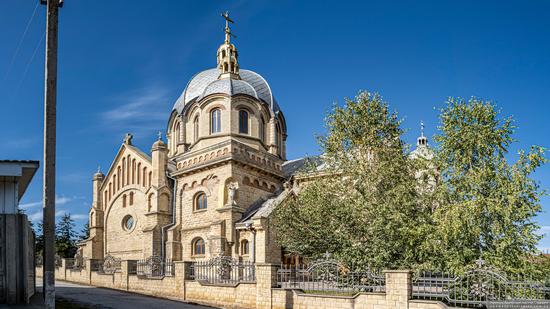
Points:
x=128 y=223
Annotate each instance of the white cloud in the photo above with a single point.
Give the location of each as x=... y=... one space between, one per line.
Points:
x=146 y=104
x=60 y=213
x=59 y=200
x=37 y=216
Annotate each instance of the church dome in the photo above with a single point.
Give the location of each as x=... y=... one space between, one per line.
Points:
x=208 y=82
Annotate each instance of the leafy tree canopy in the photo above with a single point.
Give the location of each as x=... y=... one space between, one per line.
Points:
x=375 y=206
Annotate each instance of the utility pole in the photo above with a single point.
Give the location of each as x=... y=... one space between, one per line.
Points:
x=50 y=95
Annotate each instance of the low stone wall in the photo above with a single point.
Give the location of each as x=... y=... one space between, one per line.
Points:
x=261 y=294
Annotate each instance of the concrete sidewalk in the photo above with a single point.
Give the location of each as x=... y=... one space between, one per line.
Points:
x=99 y=298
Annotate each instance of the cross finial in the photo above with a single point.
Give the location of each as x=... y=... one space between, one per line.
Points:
x=421 y=128
x=159 y=134
x=480 y=262
x=128 y=139
x=228 y=20
x=99 y=168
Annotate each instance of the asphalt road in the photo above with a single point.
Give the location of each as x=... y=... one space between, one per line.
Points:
x=100 y=298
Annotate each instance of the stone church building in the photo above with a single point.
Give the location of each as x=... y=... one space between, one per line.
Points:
x=210 y=188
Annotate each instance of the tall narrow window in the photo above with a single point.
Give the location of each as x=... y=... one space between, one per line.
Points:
x=245 y=247
x=177 y=135
x=279 y=140
x=215 y=121
x=262 y=130
x=243 y=121
x=196 y=128
x=131 y=202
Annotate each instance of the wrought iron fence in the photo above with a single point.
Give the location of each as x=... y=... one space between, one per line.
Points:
x=96 y=265
x=223 y=270
x=79 y=261
x=111 y=265
x=132 y=267
x=155 y=266
x=482 y=287
x=69 y=263
x=328 y=275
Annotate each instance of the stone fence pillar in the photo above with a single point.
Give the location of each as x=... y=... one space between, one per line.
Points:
x=66 y=265
x=398 y=288
x=88 y=264
x=266 y=278
x=182 y=272
x=125 y=270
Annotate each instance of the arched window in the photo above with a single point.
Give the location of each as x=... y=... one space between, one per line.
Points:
x=123 y=171
x=262 y=130
x=150 y=202
x=139 y=173
x=131 y=202
x=243 y=121
x=133 y=171
x=200 y=201
x=177 y=134
x=128 y=169
x=279 y=140
x=196 y=128
x=144 y=175
x=199 y=247
x=215 y=121
x=124 y=200
x=245 y=247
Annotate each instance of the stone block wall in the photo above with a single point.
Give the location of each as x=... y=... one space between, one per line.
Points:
x=260 y=294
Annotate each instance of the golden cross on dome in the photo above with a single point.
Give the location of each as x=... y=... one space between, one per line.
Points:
x=228 y=20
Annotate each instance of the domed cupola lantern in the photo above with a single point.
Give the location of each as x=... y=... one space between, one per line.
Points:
x=227 y=54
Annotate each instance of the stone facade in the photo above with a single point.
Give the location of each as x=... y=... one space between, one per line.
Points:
x=187 y=199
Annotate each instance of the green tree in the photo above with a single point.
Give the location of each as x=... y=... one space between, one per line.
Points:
x=84 y=232
x=65 y=244
x=486 y=205
x=366 y=209
x=39 y=239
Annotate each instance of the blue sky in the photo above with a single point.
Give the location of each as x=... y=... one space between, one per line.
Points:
x=122 y=64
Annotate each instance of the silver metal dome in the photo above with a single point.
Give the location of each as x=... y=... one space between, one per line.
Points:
x=207 y=82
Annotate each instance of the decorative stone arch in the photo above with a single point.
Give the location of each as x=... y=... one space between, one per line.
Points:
x=150 y=198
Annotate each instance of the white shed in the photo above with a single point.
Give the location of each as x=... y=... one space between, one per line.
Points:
x=15 y=177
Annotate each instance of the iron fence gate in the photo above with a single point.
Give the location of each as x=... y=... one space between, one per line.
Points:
x=482 y=287
x=223 y=270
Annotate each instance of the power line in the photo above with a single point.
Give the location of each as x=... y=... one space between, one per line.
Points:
x=29 y=64
x=21 y=41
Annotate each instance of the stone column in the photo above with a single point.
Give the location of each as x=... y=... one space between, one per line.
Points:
x=182 y=273
x=398 y=288
x=125 y=273
x=266 y=279
x=88 y=263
